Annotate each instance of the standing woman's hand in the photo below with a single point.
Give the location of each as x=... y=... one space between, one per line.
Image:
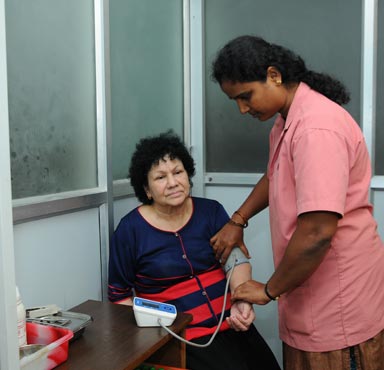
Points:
x=232 y=233
x=226 y=239
x=251 y=291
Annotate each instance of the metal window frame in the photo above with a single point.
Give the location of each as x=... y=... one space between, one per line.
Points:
x=9 y=357
x=197 y=91
x=104 y=135
x=194 y=117
x=368 y=105
x=36 y=207
x=368 y=83
x=102 y=197
x=191 y=15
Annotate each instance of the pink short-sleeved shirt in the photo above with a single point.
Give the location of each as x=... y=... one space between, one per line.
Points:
x=319 y=162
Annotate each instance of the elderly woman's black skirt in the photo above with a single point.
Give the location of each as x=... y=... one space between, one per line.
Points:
x=231 y=350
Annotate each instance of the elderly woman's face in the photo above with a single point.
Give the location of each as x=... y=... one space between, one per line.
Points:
x=168 y=183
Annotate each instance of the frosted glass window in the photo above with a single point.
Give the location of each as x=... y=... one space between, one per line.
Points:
x=379 y=149
x=51 y=79
x=146 y=42
x=327 y=34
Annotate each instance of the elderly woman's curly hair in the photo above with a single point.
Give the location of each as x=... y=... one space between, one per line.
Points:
x=149 y=151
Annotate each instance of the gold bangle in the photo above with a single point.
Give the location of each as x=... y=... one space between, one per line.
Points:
x=245 y=221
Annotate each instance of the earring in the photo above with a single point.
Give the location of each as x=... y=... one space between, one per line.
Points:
x=278 y=82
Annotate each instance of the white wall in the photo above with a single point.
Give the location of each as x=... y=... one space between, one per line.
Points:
x=58 y=259
x=122 y=207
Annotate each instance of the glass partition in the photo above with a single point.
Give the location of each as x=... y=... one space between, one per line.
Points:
x=146 y=45
x=51 y=86
x=327 y=34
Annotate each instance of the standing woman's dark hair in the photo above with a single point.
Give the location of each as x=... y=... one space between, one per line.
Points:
x=149 y=151
x=247 y=58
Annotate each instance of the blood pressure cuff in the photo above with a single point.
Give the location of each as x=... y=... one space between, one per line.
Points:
x=236 y=258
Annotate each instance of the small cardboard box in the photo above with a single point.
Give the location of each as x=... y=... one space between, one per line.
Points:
x=55 y=350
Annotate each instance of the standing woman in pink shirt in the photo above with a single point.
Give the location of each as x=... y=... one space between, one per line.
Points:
x=328 y=256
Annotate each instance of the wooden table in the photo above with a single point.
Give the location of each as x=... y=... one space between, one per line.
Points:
x=113 y=341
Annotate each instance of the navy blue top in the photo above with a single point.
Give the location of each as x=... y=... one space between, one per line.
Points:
x=174 y=267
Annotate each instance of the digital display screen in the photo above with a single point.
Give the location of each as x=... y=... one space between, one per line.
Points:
x=151 y=305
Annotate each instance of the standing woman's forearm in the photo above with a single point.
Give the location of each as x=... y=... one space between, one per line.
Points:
x=306 y=250
x=231 y=234
x=256 y=201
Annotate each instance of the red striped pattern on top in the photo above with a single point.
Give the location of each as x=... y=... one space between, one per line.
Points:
x=211 y=309
x=186 y=287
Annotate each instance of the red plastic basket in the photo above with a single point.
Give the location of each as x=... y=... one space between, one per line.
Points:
x=55 y=351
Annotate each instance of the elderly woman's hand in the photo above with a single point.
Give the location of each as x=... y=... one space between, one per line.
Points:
x=226 y=239
x=242 y=316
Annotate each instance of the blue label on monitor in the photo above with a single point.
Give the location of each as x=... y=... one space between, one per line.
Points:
x=158 y=306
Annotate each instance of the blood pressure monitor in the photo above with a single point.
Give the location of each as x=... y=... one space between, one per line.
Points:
x=148 y=312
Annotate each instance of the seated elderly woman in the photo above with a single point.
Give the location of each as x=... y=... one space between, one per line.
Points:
x=161 y=251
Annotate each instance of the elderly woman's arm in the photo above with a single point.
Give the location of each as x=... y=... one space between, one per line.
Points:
x=127 y=301
x=242 y=313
